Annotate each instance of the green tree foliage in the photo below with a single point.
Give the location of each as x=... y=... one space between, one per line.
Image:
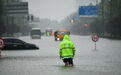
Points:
x=108 y=19
x=77 y=27
x=114 y=26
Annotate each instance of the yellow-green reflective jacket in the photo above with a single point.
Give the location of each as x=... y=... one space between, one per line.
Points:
x=67 y=49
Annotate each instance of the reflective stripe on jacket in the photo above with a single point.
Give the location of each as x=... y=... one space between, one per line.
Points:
x=67 y=49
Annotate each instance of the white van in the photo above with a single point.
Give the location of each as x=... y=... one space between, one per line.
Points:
x=35 y=33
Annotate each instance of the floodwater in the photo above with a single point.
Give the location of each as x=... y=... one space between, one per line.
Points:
x=105 y=60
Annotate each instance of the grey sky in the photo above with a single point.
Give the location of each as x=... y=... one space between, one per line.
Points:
x=52 y=9
x=55 y=9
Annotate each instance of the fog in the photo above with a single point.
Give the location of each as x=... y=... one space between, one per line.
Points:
x=56 y=14
x=51 y=9
x=60 y=14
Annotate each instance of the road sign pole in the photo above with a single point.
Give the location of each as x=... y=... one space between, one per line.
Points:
x=0 y=53
x=95 y=38
x=95 y=45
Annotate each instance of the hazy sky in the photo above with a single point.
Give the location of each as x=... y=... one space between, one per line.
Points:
x=55 y=9
x=85 y=2
x=52 y=9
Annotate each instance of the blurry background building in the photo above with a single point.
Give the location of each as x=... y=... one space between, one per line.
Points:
x=14 y=15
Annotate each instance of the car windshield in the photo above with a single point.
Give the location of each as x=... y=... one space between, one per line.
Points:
x=62 y=33
x=35 y=32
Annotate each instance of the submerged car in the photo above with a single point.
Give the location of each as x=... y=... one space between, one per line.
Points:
x=17 y=44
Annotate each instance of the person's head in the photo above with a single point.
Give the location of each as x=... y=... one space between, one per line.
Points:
x=66 y=37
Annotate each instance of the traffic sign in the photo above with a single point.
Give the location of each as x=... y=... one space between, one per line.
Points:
x=1 y=43
x=95 y=38
x=88 y=11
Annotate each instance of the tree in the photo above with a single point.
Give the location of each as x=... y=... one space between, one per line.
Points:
x=111 y=22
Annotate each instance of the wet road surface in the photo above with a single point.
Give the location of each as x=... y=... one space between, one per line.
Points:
x=106 y=60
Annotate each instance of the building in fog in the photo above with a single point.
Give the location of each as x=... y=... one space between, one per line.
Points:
x=15 y=12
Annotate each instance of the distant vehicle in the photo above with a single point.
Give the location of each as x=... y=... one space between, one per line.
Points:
x=17 y=44
x=49 y=32
x=59 y=34
x=35 y=33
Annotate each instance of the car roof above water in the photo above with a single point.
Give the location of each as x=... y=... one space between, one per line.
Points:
x=9 y=38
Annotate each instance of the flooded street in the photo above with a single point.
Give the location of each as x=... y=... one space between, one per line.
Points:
x=106 y=60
